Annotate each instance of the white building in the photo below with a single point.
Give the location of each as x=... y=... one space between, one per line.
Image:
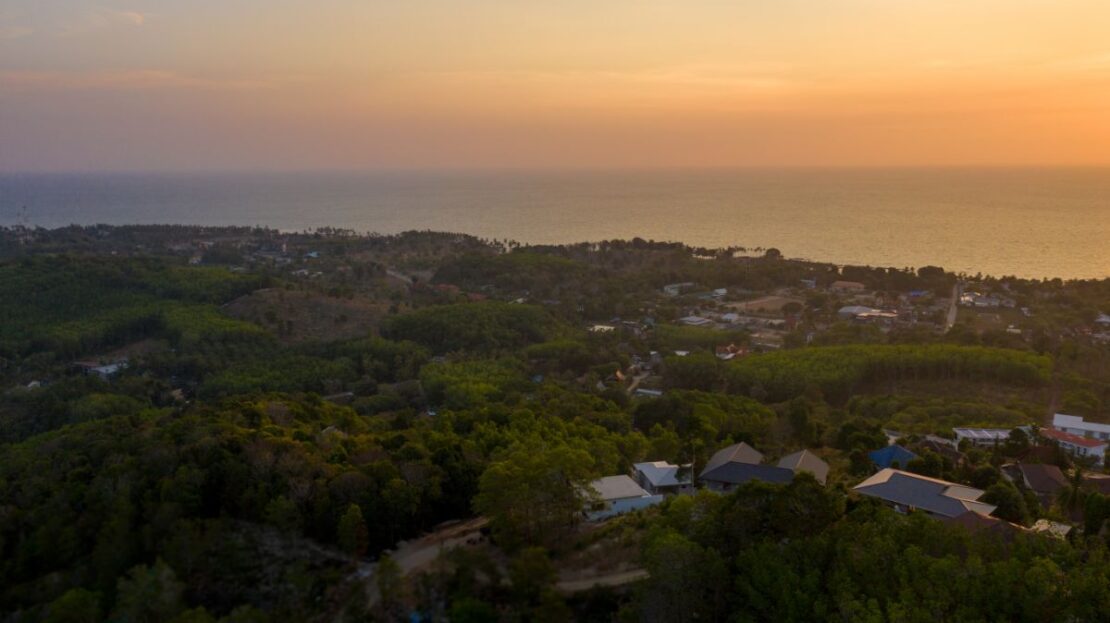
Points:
x=617 y=495
x=851 y=311
x=1078 y=445
x=675 y=289
x=695 y=321
x=1076 y=426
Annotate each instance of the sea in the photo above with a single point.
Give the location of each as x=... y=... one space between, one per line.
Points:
x=1035 y=223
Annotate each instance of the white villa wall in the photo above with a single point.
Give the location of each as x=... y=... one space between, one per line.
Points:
x=622 y=506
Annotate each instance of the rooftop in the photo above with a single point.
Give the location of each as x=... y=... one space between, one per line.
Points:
x=1056 y=529
x=888 y=456
x=933 y=495
x=984 y=434
x=1061 y=420
x=856 y=310
x=662 y=474
x=736 y=453
x=806 y=461
x=1068 y=438
x=975 y=522
x=694 y=320
x=617 y=488
x=1100 y=482
x=1043 y=478
x=737 y=473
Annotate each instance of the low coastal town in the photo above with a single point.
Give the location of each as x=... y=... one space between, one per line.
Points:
x=397 y=411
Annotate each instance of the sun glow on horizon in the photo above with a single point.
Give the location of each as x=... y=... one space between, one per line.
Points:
x=445 y=83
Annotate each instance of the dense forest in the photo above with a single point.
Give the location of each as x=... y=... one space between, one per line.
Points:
x=190 y=431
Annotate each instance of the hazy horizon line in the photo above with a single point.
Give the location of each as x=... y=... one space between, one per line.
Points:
x=556 y=169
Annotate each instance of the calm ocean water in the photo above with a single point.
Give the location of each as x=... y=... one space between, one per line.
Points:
x=1032 y=223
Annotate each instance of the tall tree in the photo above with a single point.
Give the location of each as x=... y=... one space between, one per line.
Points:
x=535 y=494
x=352 y=533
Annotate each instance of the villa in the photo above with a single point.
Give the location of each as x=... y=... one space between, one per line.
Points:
x=907 y=492
x=1077 y=426
x=617 y=495
x=1077 y=445
x=661 y=477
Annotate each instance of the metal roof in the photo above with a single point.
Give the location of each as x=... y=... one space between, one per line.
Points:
x=662 y=474
x=1074 y=440
x=734 y=473
x=738 y=453
x=618 y=488
x=888 y=456
x=985 y=434
x=806 y=461
x=933 y=495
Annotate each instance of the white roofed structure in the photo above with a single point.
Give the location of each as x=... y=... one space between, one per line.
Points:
x=982 y=436
x=663 y=477
x=1077 y=426
x=616 y=495
x=695 y=321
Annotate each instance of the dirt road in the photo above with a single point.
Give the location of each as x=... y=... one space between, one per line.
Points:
x=953 y=308
x=613 y=579
x=417 y=554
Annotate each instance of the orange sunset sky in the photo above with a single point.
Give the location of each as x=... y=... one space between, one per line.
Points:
x=283 y=84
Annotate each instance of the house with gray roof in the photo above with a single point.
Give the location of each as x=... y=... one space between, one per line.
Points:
x=735 y=465
x=617 y=495
x=739 y=463
x=1044 y=480
x=806 y=461
x=907 y=492
x=663 y=478
x=737 y=452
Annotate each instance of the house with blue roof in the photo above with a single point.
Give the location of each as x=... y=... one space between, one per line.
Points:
x=891 y=456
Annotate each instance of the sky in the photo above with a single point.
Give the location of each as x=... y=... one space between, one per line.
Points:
x=368 y=84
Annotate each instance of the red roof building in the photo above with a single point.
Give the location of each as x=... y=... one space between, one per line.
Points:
x=1079 y=446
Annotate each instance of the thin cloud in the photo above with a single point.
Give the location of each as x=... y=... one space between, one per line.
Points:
x=130 y=80
x=1093 y=62
x=685 y=79
x=8 y=33
x=134 y=17
x=102 y=19
x=13 y=25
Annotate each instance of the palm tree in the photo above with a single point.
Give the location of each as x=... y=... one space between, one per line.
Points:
x=1073 y=495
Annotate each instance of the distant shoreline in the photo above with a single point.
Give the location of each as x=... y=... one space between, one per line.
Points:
x=200 y=232
x=1033 y=223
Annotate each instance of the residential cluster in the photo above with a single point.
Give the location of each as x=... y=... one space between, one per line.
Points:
x=727 y=469
x=650 y=483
